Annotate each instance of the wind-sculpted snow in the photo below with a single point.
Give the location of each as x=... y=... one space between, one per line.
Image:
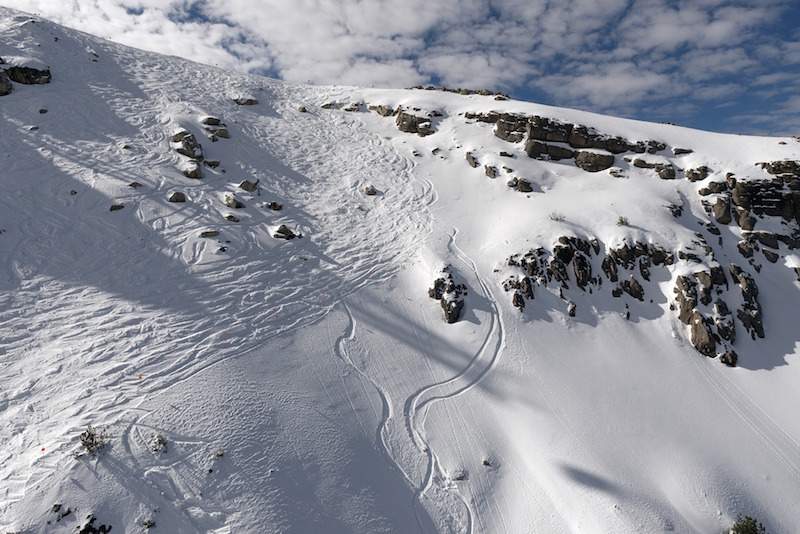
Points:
x=255 y=302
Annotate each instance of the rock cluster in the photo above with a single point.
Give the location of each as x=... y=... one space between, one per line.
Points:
x=449 y=294
x=406 y=122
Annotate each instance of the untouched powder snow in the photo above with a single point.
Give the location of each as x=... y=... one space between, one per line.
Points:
x=311 y=384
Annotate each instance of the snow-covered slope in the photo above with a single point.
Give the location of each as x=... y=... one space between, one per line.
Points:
x=311 y=384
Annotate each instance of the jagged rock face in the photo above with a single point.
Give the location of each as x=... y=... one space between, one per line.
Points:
x=450 y=295
x=593 y=162
x=538 y=150
x=633 y=288
x=5 y=84
x=543 y=129
x=702 y=339
x=409 y=123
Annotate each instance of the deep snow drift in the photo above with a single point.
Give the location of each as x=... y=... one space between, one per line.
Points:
x=252 y=383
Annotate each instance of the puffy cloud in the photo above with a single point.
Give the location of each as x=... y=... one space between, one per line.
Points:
x=627 y=57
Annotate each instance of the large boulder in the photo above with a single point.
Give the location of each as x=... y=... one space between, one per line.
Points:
x=702 y=339
x=722 y=209
x=593 y=162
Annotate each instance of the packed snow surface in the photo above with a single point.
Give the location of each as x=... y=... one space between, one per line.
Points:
x=310 y=384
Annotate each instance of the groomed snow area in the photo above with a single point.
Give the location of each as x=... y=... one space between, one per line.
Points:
x=311 y=385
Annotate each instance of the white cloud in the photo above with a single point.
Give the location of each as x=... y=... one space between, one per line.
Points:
x=611 y=55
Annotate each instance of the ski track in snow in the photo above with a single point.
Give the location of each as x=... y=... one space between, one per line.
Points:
x=254 y=289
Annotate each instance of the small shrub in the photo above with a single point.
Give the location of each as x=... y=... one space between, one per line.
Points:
x=622 y=221
x=748 y=525
x=93 y=440
x=557 y=216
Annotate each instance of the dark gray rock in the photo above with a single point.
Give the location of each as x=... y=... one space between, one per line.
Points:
x=245 y=101
x=702 y=339
x=232 y=202
x=686 y=296
x=729 y=358
x=745 y=221
x=769 y=255
x=491 y=171
x=383 y=111
x=633 y=288
x=583 y=270
x=177 y=197
x=116 y=207
x=722 y=209
x=29 y=75
x=510 y=127
x=695 y=175
x=524 y=186
x=518 y=300
x=609 y=267
x=193 y=171
x=283 y=232
x=471 y=160
x=406 y=122
x=593 y=162
x=189 y=146
x=249 y=186
x=5 y=84
x=370 y=190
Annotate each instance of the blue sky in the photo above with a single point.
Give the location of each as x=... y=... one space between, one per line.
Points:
x=721 y=65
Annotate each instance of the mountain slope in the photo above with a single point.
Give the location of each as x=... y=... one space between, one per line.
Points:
x=311 y=384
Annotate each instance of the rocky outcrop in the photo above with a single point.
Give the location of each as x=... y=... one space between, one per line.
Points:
x=409 y=123
x=472 y=161
x=449 y=294
x=245 y=101
x=177 y=197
